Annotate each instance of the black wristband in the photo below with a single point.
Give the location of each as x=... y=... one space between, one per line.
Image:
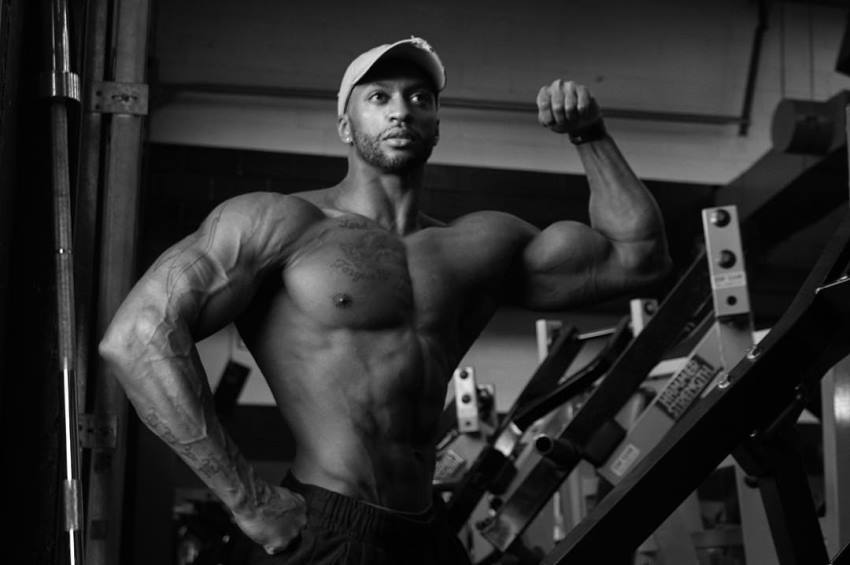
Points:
x=593 y=132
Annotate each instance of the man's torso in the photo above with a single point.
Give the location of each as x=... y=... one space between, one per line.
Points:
x=358 y=334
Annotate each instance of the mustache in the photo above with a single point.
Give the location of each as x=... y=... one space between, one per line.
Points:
x=405 y=133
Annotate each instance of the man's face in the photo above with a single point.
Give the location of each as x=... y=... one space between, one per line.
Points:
x=392 y=115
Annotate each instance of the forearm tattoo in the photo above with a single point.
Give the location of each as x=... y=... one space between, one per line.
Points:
x=177 y=403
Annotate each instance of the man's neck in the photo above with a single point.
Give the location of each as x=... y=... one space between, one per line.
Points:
x=392 y=200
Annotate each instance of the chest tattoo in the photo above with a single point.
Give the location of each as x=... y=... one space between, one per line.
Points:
x=372 y=256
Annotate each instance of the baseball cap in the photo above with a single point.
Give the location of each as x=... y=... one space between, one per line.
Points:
x=415 y=49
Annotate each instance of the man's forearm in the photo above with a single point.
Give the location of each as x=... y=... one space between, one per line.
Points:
x=165 y=382
x=621 y=207
x=212 y=455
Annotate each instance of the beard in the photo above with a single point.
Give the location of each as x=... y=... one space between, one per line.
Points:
x=370 y=150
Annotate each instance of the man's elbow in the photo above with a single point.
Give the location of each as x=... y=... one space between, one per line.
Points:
x=647 y=264
x=116 y=349
x=113 y=347
x=123 y=342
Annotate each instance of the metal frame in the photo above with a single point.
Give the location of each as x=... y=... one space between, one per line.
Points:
x=789 y=361
x=546 y=462
x=121 y=150
x=493 y=462
x=835 y=394
x=835 y=403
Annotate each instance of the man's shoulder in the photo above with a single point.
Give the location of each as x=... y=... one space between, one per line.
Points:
x=494 y=223
x=265 y=222
x=273 y=203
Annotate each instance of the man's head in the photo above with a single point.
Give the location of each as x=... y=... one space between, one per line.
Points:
x=387 y=104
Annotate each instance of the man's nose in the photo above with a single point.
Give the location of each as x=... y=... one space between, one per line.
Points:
x=399 y=109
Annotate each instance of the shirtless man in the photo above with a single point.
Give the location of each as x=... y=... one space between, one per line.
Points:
x=357 y=308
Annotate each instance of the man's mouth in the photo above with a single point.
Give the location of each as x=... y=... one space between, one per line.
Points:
x=400 y=138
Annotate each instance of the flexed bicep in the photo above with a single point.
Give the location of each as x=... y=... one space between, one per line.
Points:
x=564 y=265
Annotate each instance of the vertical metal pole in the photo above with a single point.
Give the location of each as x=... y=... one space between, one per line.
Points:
x=86 y=206
x=569 y=496
x=61 y=85
x=835 y=396
x=835 y=391
x=9 y=54
x=117 y=273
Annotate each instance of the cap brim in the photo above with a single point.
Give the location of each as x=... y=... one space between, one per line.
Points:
x=414 y=49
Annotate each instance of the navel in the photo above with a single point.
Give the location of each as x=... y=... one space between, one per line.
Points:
x=342 y=300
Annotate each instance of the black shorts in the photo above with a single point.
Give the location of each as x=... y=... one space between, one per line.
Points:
x=343 y=530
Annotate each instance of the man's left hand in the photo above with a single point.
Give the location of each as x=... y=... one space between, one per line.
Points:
x=566 y=107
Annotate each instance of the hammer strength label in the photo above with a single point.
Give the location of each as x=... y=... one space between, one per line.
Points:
x=681 y=392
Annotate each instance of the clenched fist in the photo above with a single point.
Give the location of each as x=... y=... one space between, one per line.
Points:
x=277 y=519
x=567 y=107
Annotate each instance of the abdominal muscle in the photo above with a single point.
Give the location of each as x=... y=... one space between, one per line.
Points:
x=363 y=406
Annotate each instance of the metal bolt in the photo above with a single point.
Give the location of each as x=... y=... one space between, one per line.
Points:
x=727 y=259
x=464 y=374
x=720 y=218
x=753 y=352
x=466 y=399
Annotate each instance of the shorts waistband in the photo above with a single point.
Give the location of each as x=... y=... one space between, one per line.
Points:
x=335 y=511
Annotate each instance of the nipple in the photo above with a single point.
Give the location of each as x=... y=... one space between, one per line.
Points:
x=342 y=300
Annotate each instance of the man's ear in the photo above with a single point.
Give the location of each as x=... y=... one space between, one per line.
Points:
x=343 y=128
x=437 y=133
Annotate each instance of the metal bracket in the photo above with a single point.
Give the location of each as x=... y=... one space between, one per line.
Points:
x=726 y=261
x=98 y=431
x=119 y=98
x=59 y=85
x=466 y=399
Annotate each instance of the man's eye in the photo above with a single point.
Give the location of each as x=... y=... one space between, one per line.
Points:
x=422 y=98
x=378 y=97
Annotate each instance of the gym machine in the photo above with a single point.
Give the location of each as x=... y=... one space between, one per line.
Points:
x=749 y=413
x=491 y=465
x=722 y=338
x=494 y=467
x=750 y=406
x=760 y=458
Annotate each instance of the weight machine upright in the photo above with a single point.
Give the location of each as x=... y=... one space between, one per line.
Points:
x=805 y=342
x=835 y=402
x=121 y=100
